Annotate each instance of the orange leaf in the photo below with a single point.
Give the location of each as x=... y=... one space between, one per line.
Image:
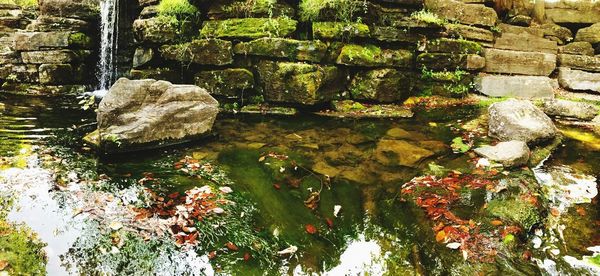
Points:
x=496 y=222
x=440 y=236
x=231 y=246
x=212 y=255
x=555 y=212
x=581 y=211
x=247 y=256
x=329 y=222
x=3 y=264
x=311 y=229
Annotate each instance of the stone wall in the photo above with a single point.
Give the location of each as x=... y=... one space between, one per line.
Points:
x=289 y=52
x=48 y=49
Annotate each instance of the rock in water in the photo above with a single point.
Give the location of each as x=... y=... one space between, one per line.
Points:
x=565 y=108
x=139 y=114
x=519 y=120
x=509 y=154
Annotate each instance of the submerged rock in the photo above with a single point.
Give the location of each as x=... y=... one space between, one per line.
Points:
x=399 y=152
x=509 y=154
x=579 y=110
x=138 y=114
x=519 y=120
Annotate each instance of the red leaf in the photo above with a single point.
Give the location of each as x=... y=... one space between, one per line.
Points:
x=276 y=186
x=212 y=255
x=247 y=256
x=329 y=222
x=311 y=229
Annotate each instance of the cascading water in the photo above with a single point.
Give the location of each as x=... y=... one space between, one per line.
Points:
x=109 y=37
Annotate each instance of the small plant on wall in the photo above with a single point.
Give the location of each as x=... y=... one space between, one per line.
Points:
x=338 y=10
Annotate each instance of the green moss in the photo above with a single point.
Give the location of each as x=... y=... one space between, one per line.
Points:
x=19 y=246
x=339 y=10
x=458 y=46
x=249 y=28
x=370 y=55
x=21 y=3
x=428 y=17
x=340 y=31
x=517 y=211
x=177 y=8
x=80 y=40
x=455 y=83
x=283 y=48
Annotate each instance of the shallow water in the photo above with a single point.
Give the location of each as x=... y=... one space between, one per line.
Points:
x=376 y=232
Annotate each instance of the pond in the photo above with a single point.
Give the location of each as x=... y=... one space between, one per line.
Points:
x=299 y=195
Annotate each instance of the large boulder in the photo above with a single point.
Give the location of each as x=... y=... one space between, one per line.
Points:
x=509 y=154
x=519 y=120
x=565 y=108
x=138 y=114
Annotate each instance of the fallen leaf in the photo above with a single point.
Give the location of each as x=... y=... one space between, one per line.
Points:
x=231 y=246
x=581 y=211
x=312 y=202
x=440 y=236
x=496 y=222
x=247 y=256
x=311 y=229
x=329 y=222
x=212 y=255
x=453 y=245
x=555 y=212
x=3 y=264
x=276 y=186
x=288 y=251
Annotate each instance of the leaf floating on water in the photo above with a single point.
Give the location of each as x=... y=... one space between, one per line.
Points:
x=496 y=222
x=312 y=202
x=231 y=246
x=440 y=236
x=329 y=222
x=336 y=210
x=247 y=256
x=288 y=251
x=311 y=229
x=453 y=245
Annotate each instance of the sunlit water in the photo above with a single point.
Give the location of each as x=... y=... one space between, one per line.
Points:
x=375 y=233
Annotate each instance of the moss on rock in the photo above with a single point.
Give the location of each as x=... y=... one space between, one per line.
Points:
x=200 y=51
x=443 y=61
x=249 y=28
x=383 y=85
x=517 y=211
x=370 y=56
x=225 y=82
x=283 y=48
x=339 y=30
x=80 y=40
x=459 y=46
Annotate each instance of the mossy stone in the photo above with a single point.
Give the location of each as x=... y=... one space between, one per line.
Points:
x=459 y=46
x=340 y=30
x=302 y=83
x=382 y=85
x=241 y=9
x=225 y=82
x=200 y=51
x=370 y=56
x=167 y=74
x=249 y=28
x=443 y=61
x=283 y=48
x=517 y=211
x=80 y=40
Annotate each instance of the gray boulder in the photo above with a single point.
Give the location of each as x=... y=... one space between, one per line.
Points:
x=519 y=120
x=139 y=114
x=509 y=154
x=565 y=108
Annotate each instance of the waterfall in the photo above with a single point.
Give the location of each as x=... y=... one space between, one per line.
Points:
x=109 y=37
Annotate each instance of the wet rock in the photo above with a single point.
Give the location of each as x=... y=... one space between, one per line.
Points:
x=443 y=61
x=519 y=120
x=520 y=20
x=337 y=30
x=45 y=90
x=283 y=48
x=400 y=153
x=382 y=85
x=321 y=167
x=200 y=51
x=468 y=14
x=518 y=211
x=529 y=87
x=299 y=82
x=56 y=74
x=149 y=12
x=577 y=48
x=45 y=23
x=590 y=34
x=469 y=32
x=227 y=82
x=459 y=46
x=136 y=114
x=579 y=110
x=521 y=63
x=509 y=154
x=370 y=55
x=596 y=125
x=142 y=56
x=248 y=28
x=578 y=80
x=587 y=63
